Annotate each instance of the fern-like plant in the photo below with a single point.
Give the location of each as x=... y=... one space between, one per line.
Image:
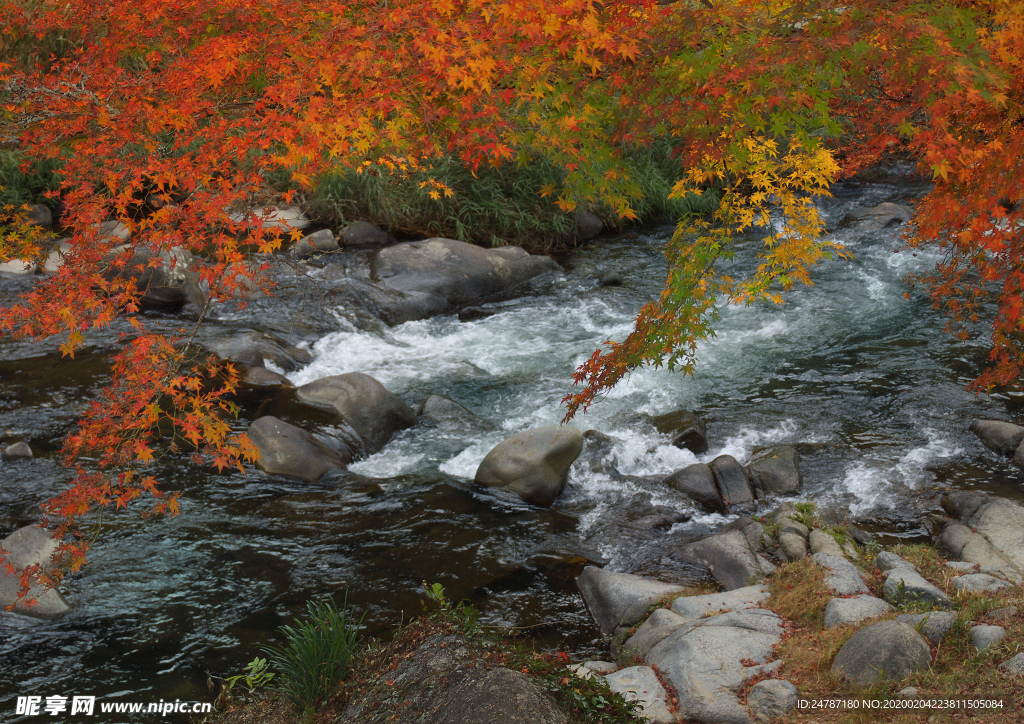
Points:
x=316 y=654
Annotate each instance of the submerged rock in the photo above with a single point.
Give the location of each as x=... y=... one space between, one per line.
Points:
x=878 y=217
x=30 y=546
x=533 y=464
x=890 y=650
x=448 y=413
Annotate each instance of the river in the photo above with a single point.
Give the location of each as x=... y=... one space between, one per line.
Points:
x=856 y=369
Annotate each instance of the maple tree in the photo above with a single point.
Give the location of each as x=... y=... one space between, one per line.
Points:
x=196 y=102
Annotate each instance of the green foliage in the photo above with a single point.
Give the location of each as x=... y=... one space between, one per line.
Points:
x=493 y=206
x=463 y=614
x=18 y=187
x=806 y=514
x=316 y=654
x=256 y=676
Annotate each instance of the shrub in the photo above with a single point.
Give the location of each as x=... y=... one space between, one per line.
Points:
x=316 y=654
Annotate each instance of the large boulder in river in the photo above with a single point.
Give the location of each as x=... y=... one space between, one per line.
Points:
x=363 y=404
x=698 y=484
x=533 y=464
x=291 y=451
x=26 y=547
x=688 y=430
x=164 y=277
x=776 y=471
x=999 y=436
x=878 y=217
x=446 y=273
x=732 y=481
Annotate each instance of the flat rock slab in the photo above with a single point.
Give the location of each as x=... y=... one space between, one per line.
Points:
x=654 y=630
x=30 y=546
x=620 y=599
x=694 y=607
x=841 y=576
x=933 y=625
x=979 y=583
x=999 y=522
x=709 y=663
x=730 y=559
x=903 y=585
x=890 y=650
x=849 y=611
x=640 y=683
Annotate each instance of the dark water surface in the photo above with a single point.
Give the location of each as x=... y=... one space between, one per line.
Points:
x=851 y=365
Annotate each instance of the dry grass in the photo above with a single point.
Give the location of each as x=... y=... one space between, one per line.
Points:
x=798 y=592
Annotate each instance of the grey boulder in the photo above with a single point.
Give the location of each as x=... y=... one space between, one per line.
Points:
x=640 y=683
x=998 y=436
x=319 y=242
x=363 y=233
x=730 y=559
x=772 y=699
x=983 y=636
x=934 y=625
x=30 y=546
x=849 y=611
x=841 y=576
x=878 y=217
x=620 y=599
x=732 y=481
x=890 y=650
x=776 y=471
x=903 y=585
x=363 y=404
x=444 y=273
x=18 y=450
x=687 y=430
x=533 y=464
x=698 y=484
x=291 y=451
x=654 y=630
x=979 y=583
x=999 y=522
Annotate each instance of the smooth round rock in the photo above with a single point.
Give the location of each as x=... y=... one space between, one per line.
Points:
x=889 y=649
x=533 y=464
x=771 y=699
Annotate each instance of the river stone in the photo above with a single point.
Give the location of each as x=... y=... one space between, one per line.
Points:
x=533 y=464
x=1013 y=666
x=886 y=561
x=848 y=611
x=902 y=585
x=878 y=217
x=998 y=436
x=822 y=542
x=18 y=266
x=363 y=233
x=640 y=683
x=443 y=680
x=698 y=484
x=319 y=242
x=979 y=583
x=694 y=607
x=771 y=699
x=983 y=636
x=792 y=526
x=254 y=348
x=448 y=413
x=841 y=576
x=40 y=215
x=729 y=558
x=792 y=545
x=962 y=566
x=588 y=225
x=620 y=599
x=687 y=429
x=732 y=481
x=1004 y=614
x=363 y=404
x=16 y=451
x=446 y=273
x=890 y=650
x=776 y=471
x=997 y=520
x=708 y=665
x=261 y=377
x=291 y=451
x=653 y=631
x=26 y=547
x=934 y=625
x=169 y=284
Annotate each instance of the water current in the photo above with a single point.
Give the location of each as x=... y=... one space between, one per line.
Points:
x=856 y=370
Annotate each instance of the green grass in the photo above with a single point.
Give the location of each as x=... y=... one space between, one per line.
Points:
x=18 y=187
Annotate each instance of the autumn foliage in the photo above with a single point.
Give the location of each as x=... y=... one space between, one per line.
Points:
x=196 y=102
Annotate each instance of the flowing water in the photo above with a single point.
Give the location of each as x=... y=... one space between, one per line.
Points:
x=855 y=369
